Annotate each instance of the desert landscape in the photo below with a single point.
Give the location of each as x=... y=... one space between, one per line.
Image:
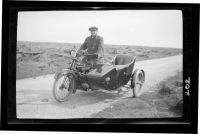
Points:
x=38 y=62
x=40 y=58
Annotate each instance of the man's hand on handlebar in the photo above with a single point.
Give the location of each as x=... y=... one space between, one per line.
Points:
x=80 y=53
x=85 y=53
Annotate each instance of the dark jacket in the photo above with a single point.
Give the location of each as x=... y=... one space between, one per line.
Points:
x=93 y=45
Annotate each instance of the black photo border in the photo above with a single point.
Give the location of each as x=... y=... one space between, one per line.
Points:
x=188 y=123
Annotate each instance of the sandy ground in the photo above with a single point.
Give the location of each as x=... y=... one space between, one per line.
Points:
x=35 y=100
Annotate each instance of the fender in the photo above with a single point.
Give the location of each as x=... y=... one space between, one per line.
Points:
x=64 y=72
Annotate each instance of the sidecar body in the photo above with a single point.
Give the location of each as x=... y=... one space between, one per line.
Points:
x=112 y=76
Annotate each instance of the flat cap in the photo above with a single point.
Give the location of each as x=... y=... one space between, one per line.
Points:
x=93 y=28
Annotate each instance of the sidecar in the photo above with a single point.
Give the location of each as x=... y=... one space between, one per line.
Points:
x=104 y=76
x=115 y=75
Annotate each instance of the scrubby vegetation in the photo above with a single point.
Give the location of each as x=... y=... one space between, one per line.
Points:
x=172 y=92
x=40 y=58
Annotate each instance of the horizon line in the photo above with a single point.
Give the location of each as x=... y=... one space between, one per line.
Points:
x=104 y=44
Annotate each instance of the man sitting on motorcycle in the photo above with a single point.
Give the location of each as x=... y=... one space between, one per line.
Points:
x=93 y=45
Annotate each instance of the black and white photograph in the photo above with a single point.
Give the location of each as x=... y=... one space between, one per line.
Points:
x=99 y=64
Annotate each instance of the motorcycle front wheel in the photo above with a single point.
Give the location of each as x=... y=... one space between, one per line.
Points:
x=63 y=87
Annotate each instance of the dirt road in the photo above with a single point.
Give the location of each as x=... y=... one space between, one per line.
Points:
x=34 y=95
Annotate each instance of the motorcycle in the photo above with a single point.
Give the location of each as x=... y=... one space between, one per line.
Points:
x=107 y=76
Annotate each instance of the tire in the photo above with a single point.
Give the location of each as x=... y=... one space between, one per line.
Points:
x=137 y=81
x=63 y=87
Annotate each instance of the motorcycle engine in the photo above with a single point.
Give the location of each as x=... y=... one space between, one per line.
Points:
x=85 y=86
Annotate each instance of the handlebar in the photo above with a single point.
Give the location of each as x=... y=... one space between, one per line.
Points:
x=75 y=56
x=75 y=59
x=91 y=56
x=88 y=55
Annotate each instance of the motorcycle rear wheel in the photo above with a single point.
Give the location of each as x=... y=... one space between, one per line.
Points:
x=63 y=87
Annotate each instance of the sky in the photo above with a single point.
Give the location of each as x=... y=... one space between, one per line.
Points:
x=156 y=28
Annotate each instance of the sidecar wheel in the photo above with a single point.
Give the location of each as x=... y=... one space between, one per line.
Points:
x=137 y=82
x=63 y=87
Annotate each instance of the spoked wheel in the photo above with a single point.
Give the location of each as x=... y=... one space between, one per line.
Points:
x=137 y=82
x=63 y=87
